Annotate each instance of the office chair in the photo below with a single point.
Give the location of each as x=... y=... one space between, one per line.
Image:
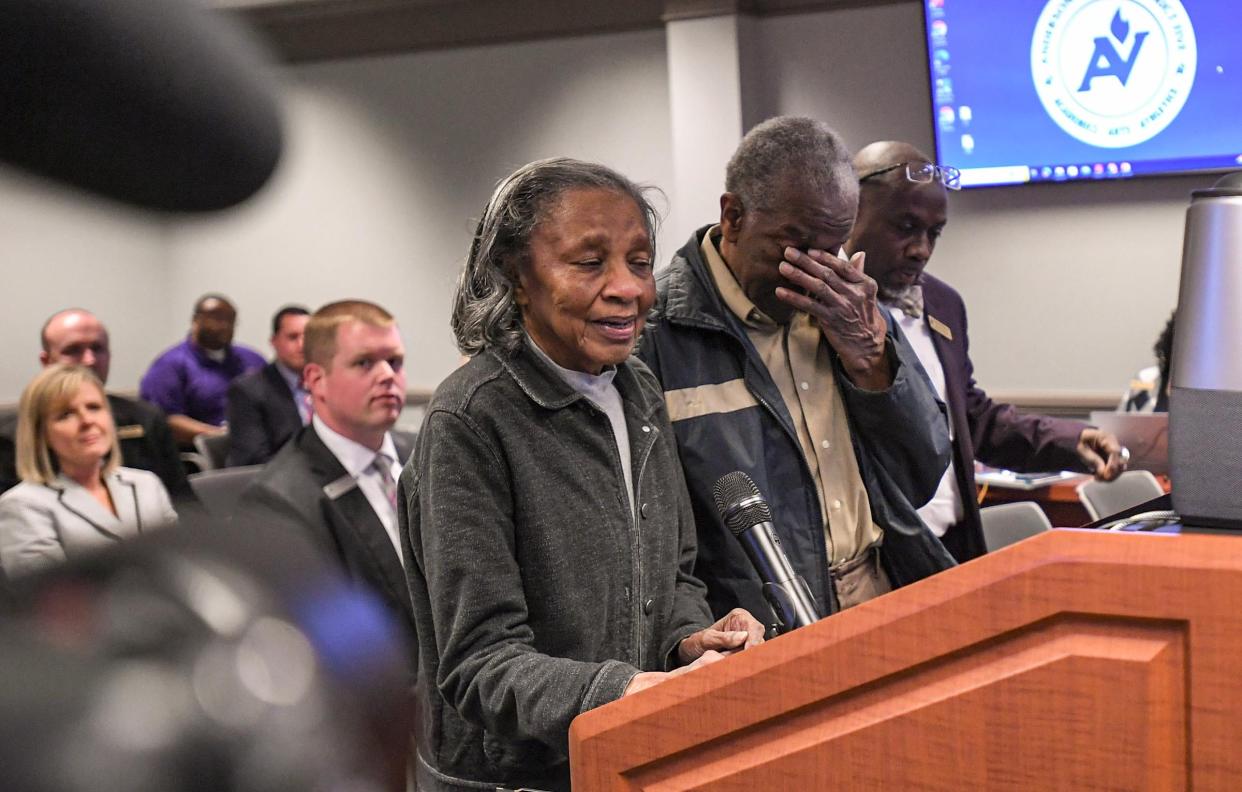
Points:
x=1008 y=523
x=1105 y=498
x=220 y=490
x=213 y=449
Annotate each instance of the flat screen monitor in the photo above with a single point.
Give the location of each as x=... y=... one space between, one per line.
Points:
x=1028 y=91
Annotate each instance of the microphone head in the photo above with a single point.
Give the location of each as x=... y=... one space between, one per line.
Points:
x=739 y=502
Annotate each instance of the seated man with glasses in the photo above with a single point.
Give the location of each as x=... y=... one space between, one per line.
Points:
x=902 y=210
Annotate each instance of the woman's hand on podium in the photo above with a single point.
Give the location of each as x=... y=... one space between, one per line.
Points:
x=646 y=679
x=738 y=630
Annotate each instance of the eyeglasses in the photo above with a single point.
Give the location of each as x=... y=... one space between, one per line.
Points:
x=923 y=173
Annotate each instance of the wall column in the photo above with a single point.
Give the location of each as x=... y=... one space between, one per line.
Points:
x=707 y=89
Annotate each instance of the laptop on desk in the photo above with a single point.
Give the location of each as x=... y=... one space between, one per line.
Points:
x=1145 y=434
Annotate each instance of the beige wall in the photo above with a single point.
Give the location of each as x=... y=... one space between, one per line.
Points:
x=59 y=248
x=391 y=159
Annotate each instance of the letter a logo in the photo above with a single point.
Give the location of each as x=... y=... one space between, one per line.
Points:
x=1079 y=46
x=1106 y=61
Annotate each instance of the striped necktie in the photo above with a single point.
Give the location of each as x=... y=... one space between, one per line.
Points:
x=382 y=464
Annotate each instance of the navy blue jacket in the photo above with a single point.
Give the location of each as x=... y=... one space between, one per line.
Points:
x=900 y=438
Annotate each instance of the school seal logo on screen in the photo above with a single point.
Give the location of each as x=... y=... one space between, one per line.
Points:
x=1113 y=73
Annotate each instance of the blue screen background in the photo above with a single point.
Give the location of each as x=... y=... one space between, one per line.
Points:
x=989 y=46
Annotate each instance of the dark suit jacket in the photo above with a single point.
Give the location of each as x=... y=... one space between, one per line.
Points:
x=8 y=464
x=305 y=488
x=997 y=434
x=146 y=444
x=262 y=416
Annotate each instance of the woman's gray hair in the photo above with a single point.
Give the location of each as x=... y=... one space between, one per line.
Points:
x=788 y=145
x=485 y=313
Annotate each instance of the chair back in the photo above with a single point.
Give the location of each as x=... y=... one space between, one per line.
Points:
x=214 y=448
x=1105 y=498
x=220 y=490
x=1007 y=523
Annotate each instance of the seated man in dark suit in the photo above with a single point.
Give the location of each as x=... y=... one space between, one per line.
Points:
x=8 y=460
x=268 y=406
x=77 y=336
x=336 y=480
x=902 y=208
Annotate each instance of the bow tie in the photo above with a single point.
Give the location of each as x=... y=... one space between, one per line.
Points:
x=909 y=302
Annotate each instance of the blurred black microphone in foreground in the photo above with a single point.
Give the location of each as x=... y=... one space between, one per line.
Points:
x=220 y=659
x=157 y=103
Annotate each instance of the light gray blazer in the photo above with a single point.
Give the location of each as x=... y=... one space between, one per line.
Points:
x=44 y=524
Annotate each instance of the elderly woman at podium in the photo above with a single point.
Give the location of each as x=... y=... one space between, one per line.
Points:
x=551 y=539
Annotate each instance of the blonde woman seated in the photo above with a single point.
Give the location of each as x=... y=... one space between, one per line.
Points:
x=74 y=498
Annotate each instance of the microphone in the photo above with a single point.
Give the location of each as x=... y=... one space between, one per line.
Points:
x=749 y=518
x=163 y=105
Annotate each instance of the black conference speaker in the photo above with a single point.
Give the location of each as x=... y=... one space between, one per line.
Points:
x=1205 y=405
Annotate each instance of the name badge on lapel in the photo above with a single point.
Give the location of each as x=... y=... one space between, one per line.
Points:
x=339 y=487
x=940 y=327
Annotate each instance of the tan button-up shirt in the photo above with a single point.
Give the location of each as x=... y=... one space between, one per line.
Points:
x=796 y=356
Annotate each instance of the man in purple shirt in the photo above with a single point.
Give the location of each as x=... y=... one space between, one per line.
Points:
x=191 y=380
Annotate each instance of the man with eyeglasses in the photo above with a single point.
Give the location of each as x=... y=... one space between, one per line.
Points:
x=903 y=208
x=776 y=361
x=76 y=336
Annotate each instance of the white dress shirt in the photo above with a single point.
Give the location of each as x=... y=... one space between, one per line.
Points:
x=357 y=459
x=945 y=508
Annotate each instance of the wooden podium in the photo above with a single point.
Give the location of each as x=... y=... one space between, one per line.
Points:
x=1076 y=660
